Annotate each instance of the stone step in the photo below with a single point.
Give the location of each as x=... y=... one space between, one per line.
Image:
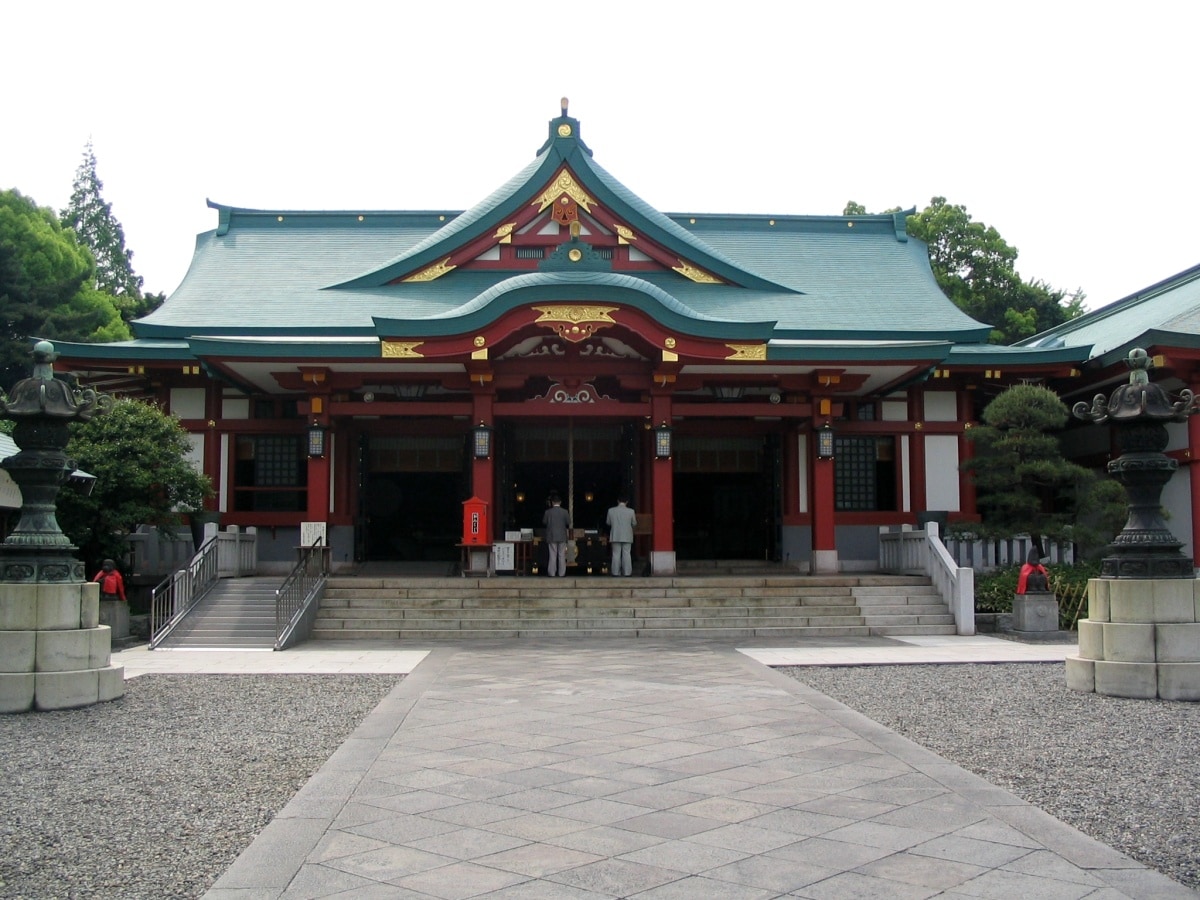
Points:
x=432 y=634
x=375 y=612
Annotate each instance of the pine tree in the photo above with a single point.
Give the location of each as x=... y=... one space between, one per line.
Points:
x=92 y=220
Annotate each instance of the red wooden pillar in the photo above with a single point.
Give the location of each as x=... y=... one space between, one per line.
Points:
x=824 y=532
x=1193 y=426
x=662 y=490
x=319 y=466
x=966 y=451
x=918 y=498
x=483 y=477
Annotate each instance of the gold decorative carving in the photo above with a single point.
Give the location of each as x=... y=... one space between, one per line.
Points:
x=481 y=353
x=669 y=343
x=575 y=323
x=687 y=270
x=479 y=340
x=747 y=351
x=402 y=349
x=564 y=130
x=437 y=270
x=670 y=356
x=505 y=232
x=575 y=255
x=624 y=233
x=564 y=184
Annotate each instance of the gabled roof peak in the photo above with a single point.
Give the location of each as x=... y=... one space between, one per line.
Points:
x=564 y=135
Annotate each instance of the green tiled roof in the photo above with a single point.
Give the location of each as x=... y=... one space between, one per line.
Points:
x=1166 y=312
x=309 y=273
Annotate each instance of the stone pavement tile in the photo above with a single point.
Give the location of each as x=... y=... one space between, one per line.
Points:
x=1001 y=884
x=657 y=796
x=607 y=840
x=685 y=856
x=942 y=814
x=535 y=777
x=767 y=873
x=923 y=871
x=481 y=813
x=468 y=843
x=801 y=822
x=322 y=883
x=317 y=881
x=341 y=843
x=846 y=807
x=389 y=863
x=397 y=828
x=999 y=832
x=541 y=890
x=746 y=838
x=538 y=860
x=969 y=850
x=668 y=824
x=413 y=802
x=537 y=826
x=875 y=834
x=594 y=786
x=459 y=881
x=537 y=799
x=853 y=886
x=598 y=811
x=709 y=785
x=1144 y=884
x=724 y=809
x=477 y=788
x=777 y=793
x=1050 y=865
x=697 y=886
x=616 y=877
x=836 y=855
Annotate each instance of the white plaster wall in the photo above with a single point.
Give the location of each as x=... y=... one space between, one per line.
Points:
x=1177 y=437
x=941 y=406
x=802 y=481
x=941 y=472
x=235 y=408
x=1177 y=501
x=905 y=475
x=195 y=455
x=894 y=410
x=223 y=485
x=187 y=403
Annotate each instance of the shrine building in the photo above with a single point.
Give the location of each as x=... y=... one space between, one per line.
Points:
x=761 y=387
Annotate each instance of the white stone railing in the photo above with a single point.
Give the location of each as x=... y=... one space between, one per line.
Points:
x=237 y=550
x=920 y=552
x=983 y=556
x=153 y=555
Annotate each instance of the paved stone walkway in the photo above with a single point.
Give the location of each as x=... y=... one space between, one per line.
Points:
x=655 y=771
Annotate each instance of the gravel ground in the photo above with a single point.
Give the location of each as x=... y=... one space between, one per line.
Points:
x=1126 y=772
x=156 y=794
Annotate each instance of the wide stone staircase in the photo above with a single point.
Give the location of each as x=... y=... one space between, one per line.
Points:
x=238 y=613
x=714 y=605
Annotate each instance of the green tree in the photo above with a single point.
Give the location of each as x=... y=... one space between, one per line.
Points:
x=92 y=220
x=1026 y=486
x=976 y=268
x=46 y=287
x=139 y=455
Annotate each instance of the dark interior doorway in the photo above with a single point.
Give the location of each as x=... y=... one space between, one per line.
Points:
x=597 y=485
x=411 y=490
x=725 y=493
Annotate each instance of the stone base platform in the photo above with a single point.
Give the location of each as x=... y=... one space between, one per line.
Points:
x=54 y=653
x=1141 y=639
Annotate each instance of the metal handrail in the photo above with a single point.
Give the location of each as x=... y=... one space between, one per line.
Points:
x=295 y=600
x=178 y=593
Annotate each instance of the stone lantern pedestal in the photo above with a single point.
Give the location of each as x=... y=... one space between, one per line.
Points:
x=1142 y=634
x=1141 y=639
x=1035 y=613
x=54 y=653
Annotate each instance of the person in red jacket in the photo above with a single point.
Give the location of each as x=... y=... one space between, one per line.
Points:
x=112 y=585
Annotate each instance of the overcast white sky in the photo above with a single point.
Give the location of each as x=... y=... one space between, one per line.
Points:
x=1068 y=126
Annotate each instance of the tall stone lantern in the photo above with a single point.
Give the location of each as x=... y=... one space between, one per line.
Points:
x=54 y=653
x=1142 y=634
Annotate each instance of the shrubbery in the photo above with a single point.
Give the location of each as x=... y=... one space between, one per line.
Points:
x=994 y=590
